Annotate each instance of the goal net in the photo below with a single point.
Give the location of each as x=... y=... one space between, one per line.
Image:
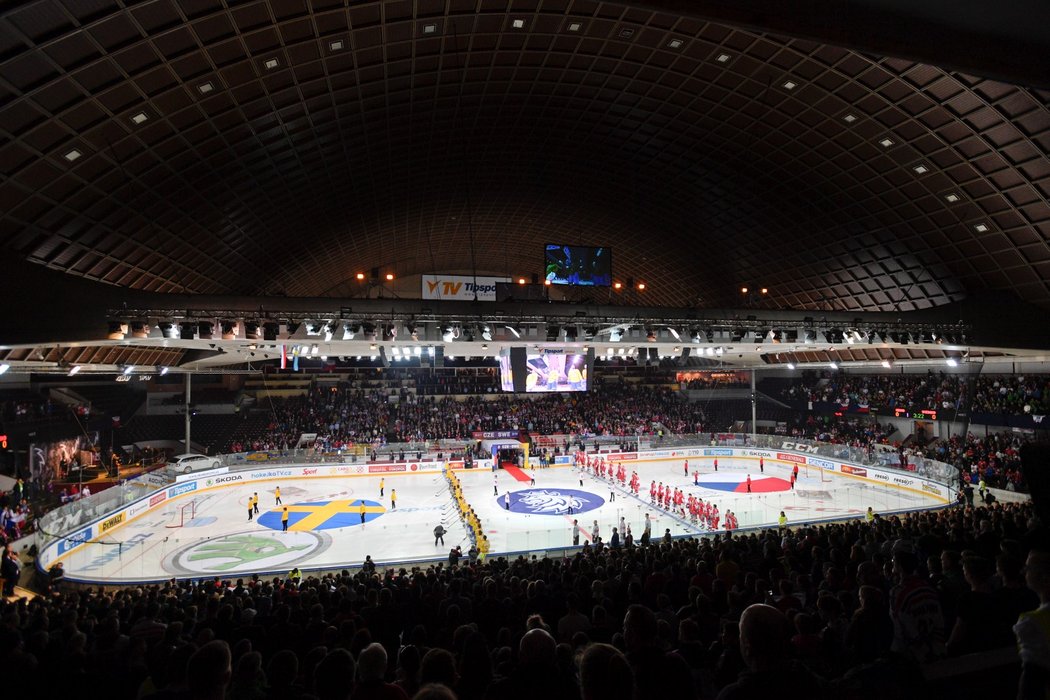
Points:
x=183 y=514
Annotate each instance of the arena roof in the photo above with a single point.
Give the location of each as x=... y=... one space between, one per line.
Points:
x=278 y=148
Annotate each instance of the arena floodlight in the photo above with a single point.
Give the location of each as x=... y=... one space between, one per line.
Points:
x=327 y=330
x=650 y=335
x=350 y=330
x=73 y=370
x=616 y=335
x=833 y=365
x=163 y=370
x=952 y=362
x=887 y=364
x=791 y=365
x=413 y=330
x=129 y=369
x=4 y=367
x=514 y=331
x=449 y=333
x=486 y=331
x=252 y=330
x=169 y=329
x=229 y=330
x=695 y=335
x=674 y=333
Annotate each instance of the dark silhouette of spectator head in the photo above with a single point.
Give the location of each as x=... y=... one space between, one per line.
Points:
x=334 y=676
x=639 y=628
x=371 y=663
x=434 y=691
x=438 y=667
x=605 y=674
x=283 y=669
x=764 y=633
x=1037 y=573
x=537 y=648
x=209 y=670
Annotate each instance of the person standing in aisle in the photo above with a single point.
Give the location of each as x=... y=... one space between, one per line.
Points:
x=255 y=502
x=869 y=517
x=594 y=532
x=393 y=499
x=250 y=509
x=685 y=466
x=762 y=465
x=647 y=532
x=277 y=496
x=284 y=519
x=506 y=500
x=716 y=463
x=575 y=533
x=382 y=486
x=782 y=521
x=749 y=483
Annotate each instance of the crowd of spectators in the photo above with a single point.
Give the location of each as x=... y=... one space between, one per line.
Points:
x=481 y=381
x=995 y=458
x=814 y=612
x=856 y=392
x=1012 y=395
x=32 y=408
x=854 y=432
x=343 y=417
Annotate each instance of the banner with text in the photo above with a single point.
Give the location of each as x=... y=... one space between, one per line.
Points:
x=460 y=287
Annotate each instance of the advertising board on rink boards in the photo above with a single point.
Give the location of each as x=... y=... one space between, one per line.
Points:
x=788 y=457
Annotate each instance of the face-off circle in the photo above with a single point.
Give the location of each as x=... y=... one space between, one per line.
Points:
x=551 y=501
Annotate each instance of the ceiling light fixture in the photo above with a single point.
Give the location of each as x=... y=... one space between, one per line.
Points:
x=513 y=330
x=921 y=169
x=952 y=198
x=790 y=85
x=887 y=364
x=886 y=142
x=271 y=63
x=981 y=228
x=574 y=26
x=139 y=118
x=336 y=45
x=72 y=155
x=723 y=57
x=674 y=44
x=850 y=118
x=205 y=88
x=833 y=365
x=791 y=365
x=952 y=362
x=4 y=367
x=73 y=370
x=518 y=24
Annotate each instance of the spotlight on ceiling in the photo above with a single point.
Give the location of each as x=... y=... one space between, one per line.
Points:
x=952 y=362
x=350 y=330
x=73 y=370
x=696 y=336
x=616 y=335
x=413 y=330
x=791 y=365
x=229 y=330
x=833 y=365
x=486 y=331
x=514 y=331
x=674 y=333
x=129 y=369
x=650 y=335
x=253 y=330
x=887 y=364
x=449 y=333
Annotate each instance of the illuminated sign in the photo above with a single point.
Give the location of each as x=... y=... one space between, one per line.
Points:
x=915 y=415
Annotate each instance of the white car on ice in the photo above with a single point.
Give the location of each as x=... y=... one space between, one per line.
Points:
x=184 y=464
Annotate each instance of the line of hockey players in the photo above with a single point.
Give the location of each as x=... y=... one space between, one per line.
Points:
x=703 y=515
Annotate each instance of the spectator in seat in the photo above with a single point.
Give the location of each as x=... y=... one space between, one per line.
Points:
x=371 y=670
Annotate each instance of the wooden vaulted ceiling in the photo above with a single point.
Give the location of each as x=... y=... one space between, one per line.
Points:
x=279 y=147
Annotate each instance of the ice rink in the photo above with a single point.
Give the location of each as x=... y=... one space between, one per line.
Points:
x=216 y=538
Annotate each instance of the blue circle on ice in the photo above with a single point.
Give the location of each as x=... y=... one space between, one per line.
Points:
x=551 y=501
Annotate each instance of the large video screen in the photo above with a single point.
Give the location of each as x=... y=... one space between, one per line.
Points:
x=578 y=265
x=547 y=373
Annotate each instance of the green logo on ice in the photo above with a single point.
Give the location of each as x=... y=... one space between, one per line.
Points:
x=245 y=552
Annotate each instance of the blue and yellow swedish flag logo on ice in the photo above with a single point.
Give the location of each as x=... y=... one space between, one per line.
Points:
x=322 y=515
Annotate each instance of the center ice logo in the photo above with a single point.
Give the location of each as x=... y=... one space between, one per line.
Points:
x=552 y=501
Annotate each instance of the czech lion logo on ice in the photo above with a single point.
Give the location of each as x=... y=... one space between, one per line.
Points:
x=552 y=501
